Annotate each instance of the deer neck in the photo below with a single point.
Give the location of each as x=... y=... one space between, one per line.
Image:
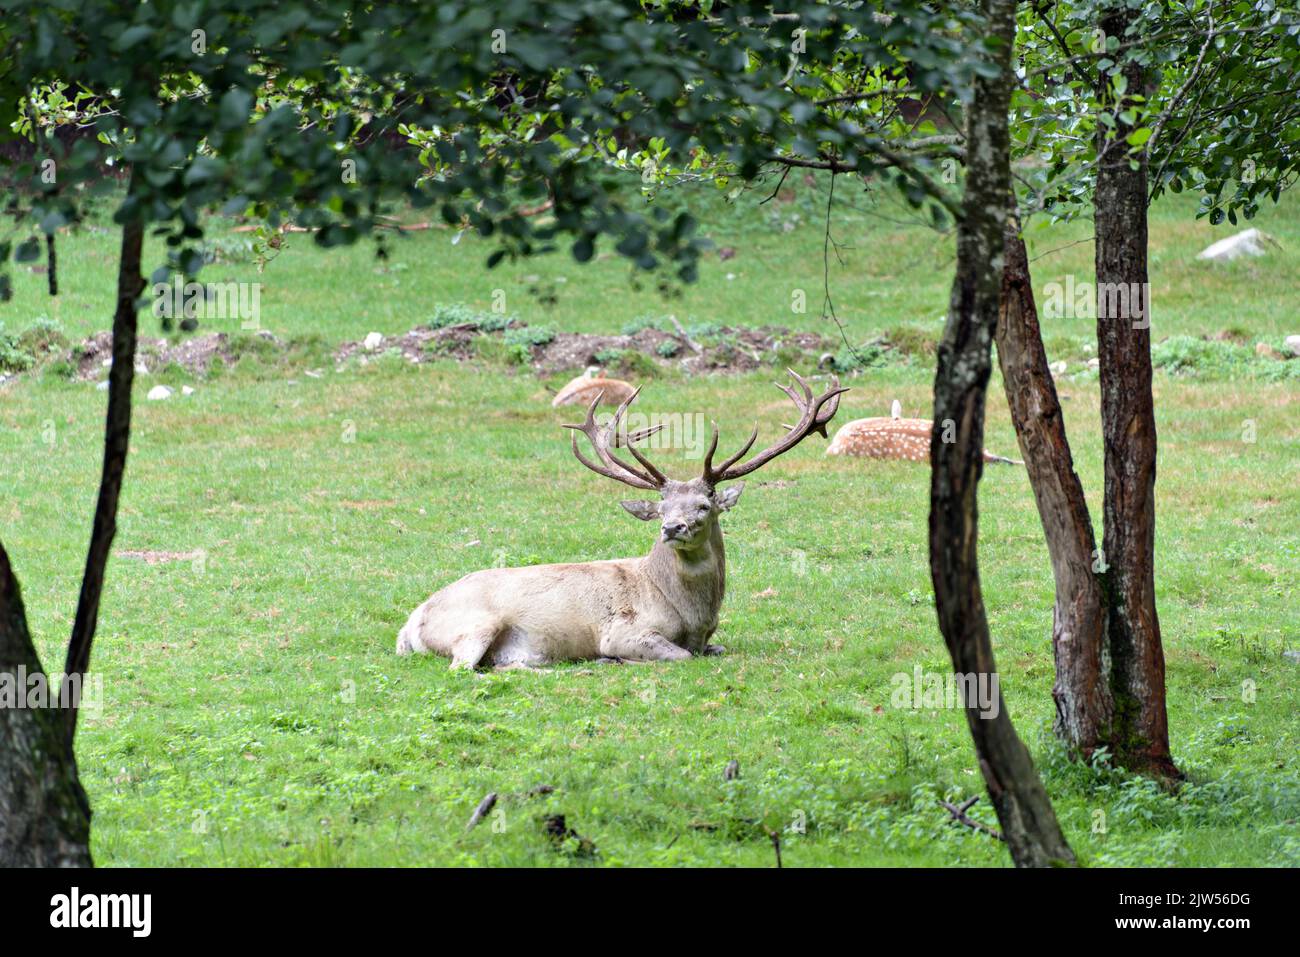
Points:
x=692 y=579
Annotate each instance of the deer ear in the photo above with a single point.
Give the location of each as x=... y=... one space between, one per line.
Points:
x=646 y=511
x=730 y=496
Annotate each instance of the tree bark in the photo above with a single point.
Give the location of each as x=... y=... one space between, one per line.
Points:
x=1028 y=822
x=1084 y=706
x=1140 y=731
x=44 y=813
x=117 y=433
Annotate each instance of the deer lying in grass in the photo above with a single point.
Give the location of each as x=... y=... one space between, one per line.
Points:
x=593 y=384
x=663 y=607
x=892 y=438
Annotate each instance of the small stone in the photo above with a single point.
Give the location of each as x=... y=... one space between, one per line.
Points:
x=107 y=362
x=1058 y=367
x=158 y=393
x=1248 y=242
x=187 y=390
x=1094 y=363
x=103 y=386
x=373 y=341
x=1293 y=345
x=141 y=369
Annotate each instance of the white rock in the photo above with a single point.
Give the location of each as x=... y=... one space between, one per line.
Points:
x=187 y=390
x=372 y=342
x=1058 y=368
x=107 y=362
x=1094 y=363
x=1248 y=242
x=159 y=392
x=141 y=369
x=103 y=386
x=1293 y=345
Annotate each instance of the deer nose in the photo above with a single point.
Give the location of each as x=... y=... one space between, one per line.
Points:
x=674 y=529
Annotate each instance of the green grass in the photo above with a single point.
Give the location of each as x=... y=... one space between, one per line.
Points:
x=255 y=712
x=893 y=273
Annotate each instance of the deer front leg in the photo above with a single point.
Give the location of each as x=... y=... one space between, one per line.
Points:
x=648 y=646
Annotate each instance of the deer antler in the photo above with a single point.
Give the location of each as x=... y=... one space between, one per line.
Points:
x=601 y=439
x=815 y=412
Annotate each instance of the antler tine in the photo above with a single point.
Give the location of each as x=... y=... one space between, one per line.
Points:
x=637 y=436
x=713 y=447
x=732 y=460
x=814 y=413
x=613 y=466
x=623 y=477
x=803 y=384
x=655 y=474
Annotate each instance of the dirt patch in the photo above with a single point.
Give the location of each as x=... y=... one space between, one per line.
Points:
x=194 y=354
x=726 y=350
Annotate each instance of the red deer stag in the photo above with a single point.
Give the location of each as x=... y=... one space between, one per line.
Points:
x=660 y=607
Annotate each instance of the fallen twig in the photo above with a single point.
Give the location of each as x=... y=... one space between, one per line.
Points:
x=681 y=334
x=959 y=815
x=480 y=812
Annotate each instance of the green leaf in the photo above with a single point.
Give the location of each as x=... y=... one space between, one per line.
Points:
x=132 y=36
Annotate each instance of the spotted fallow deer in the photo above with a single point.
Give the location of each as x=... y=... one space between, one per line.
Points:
x=892 y=438
x=663 y=606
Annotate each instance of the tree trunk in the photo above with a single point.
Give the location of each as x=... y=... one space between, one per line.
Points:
x=44 y=813
x=1084 y=707
x=1028 y=822
x=1140 y=731
x=117 y=433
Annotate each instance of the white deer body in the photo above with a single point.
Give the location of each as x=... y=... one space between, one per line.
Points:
x=663 y=606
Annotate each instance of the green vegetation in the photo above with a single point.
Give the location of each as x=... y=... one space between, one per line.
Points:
x=277 y=528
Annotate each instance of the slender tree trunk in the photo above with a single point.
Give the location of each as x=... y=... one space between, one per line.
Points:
x=1140 y=731
x=1028 y=822
x=1084 y=707
x=117 y=433
x=44 y=813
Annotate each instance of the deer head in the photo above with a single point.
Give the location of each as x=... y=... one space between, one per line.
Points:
x=688 y=511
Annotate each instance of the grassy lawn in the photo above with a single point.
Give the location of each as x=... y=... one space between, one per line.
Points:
x=254 y=711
